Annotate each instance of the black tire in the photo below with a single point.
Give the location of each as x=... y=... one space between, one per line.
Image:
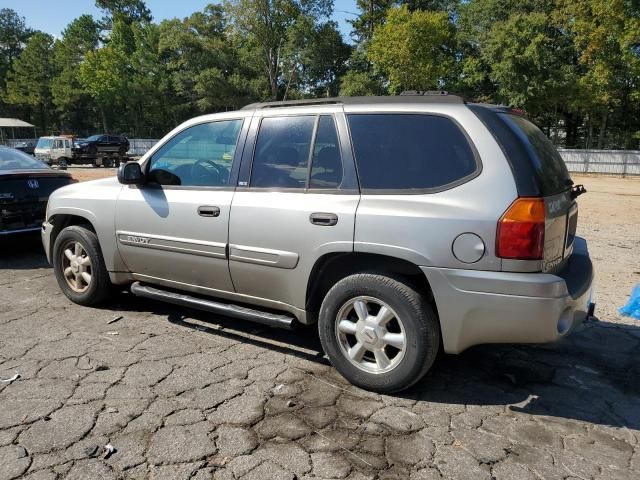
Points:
x=100 y=286
x=421 y=327
x=62 y=163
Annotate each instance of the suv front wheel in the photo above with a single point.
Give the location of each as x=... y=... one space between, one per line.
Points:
x=79 y=266
x=378 y=332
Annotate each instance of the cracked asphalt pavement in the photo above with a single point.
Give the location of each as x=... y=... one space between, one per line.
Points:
x=185 y=394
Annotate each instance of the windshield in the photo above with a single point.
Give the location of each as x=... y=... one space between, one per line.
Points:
x=44 y=143
x=93 y=138
x=547 y=162
x=11 y=159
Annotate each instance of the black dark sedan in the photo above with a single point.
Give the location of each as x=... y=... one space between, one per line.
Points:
x=25 y=186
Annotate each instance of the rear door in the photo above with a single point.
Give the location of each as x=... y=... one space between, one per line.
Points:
x=296 y=201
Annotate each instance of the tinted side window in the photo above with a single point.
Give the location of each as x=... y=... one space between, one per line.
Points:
x=409 y=151
x=282 y=152
x=198 y=156
x=326 y=165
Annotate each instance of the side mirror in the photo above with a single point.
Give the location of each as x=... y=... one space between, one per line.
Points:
x=130 y=173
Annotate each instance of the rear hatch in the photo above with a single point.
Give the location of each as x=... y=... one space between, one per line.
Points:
x=539 y=171
x=24 y=195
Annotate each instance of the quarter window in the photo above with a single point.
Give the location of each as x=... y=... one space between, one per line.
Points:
x=201 y=155
x=282 y=152
x=408 y=151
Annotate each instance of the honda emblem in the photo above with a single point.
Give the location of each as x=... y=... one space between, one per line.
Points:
x=33 y=183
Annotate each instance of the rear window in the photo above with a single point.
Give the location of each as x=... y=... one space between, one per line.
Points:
x=409 y=151
x=11 y=159
x=547 y=163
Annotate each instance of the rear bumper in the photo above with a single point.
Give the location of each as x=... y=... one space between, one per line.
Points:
x=478 y=307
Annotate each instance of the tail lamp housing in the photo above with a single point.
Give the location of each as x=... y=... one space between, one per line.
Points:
x=520 y=234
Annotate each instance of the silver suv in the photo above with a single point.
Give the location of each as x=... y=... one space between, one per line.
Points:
x=401 y=225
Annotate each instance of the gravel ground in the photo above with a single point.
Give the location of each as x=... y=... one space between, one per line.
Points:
x=184 y=394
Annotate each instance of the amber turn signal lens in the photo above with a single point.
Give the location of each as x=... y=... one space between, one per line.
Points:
x=520 y=234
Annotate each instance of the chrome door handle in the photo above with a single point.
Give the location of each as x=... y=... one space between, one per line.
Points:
x=323 y=219
x=208 y=211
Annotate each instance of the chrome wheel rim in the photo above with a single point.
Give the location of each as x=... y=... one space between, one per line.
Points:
x=76 y=266
x=370 y=334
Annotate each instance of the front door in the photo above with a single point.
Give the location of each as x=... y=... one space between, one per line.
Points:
x=174 y=229
x=297 y=204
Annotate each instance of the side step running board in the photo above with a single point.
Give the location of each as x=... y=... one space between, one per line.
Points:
x=226 y=309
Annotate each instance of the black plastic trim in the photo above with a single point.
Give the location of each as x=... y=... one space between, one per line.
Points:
x=578 y=272
x=512 y=148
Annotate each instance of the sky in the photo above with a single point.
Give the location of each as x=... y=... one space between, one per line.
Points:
x=53 y=16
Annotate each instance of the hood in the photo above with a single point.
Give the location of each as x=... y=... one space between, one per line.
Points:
x=101 y=187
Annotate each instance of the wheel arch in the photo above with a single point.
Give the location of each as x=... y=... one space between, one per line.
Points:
x=332 y=267
x=60 y=221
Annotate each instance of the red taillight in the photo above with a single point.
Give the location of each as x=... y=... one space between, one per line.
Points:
x=521 y=230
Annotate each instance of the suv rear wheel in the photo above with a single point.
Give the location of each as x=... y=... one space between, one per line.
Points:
x=79 y=266
x=378 y=332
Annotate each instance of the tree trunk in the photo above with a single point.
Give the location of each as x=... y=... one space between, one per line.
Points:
x=603 y=128
x=104 y=120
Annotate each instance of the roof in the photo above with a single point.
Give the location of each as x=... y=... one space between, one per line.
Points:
x=405 y=98
x=13 y=123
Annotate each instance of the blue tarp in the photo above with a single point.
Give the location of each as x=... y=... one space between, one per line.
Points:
x=632 y=308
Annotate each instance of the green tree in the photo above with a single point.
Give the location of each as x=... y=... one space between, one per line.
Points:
x=104 y=73
x=69 y=95
x=267 y=23
x=29 y=80
x=531 y=66
x=315 y=58
x=204 y=67
x=130 y=11
x=372 y=14
x=415 y=50
x=606 y=33
x=13 y=37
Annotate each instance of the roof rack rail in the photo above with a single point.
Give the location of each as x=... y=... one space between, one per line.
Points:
x=423 y=93
x=293 y=103
x=411 y=96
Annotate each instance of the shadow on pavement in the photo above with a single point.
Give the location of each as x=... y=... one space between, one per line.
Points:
x=592 y=376
x=22 y=251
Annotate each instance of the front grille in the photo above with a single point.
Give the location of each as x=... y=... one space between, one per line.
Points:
x=22 y=215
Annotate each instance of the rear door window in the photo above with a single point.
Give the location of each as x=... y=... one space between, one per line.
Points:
x=281 y=154
x=547 y=163
x=410 y=152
